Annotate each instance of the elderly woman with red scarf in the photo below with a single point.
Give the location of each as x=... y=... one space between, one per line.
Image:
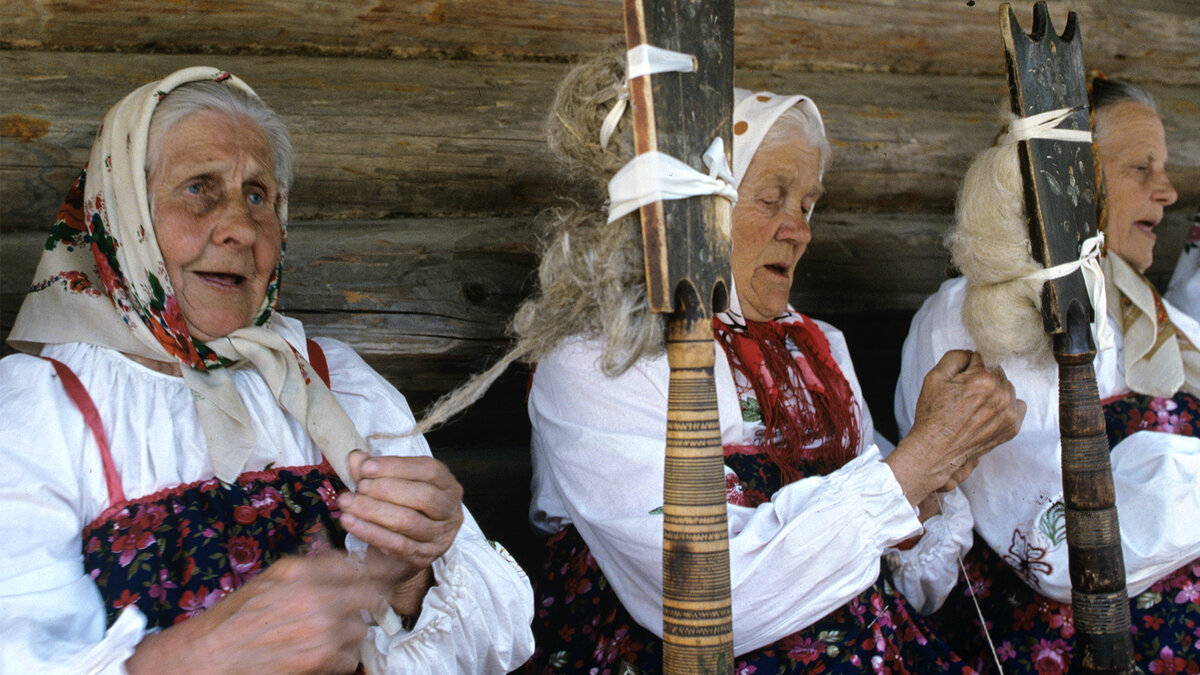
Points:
x=814 y=505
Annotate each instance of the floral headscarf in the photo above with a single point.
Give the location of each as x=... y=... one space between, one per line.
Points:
x=102 y=280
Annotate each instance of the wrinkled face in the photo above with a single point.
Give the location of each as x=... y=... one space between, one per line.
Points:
x=770 y=224
x=214 y=192
x=1133 y=154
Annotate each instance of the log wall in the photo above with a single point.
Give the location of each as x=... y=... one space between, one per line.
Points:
x=422 y=165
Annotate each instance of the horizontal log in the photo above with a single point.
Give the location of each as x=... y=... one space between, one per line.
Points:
x=428 y=299
x=383 y=139
x=1148 y=41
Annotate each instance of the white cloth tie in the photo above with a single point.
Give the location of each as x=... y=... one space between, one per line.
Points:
x=1093 y=278
x=1045 y=126
x=640 y=61
x=655 y=176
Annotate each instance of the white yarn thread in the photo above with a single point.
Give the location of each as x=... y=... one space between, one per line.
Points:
x=971 y=588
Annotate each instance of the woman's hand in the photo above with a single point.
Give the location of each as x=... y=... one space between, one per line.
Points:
x=301 y=615
x=408 y=509
x=964 y=410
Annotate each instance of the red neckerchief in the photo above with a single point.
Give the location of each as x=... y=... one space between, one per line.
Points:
x=807 y=406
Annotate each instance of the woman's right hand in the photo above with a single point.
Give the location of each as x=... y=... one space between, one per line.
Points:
x=301 y=615
x=964 y=410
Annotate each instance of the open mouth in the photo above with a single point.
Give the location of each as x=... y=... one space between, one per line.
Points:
x=222 y=279
x=778 y=268
x=1146 y=226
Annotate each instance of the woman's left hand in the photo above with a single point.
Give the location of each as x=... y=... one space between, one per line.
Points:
x=408 y=510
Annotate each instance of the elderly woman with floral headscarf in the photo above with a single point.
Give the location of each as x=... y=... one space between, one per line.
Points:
x=813 y=508
x=1148 y=381
x=174 y=454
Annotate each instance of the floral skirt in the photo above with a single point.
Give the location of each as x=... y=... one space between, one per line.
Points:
x=581 y=627
x=1034 y=634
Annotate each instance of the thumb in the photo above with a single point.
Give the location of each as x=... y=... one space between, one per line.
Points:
x=354 y=462
x=954 y=362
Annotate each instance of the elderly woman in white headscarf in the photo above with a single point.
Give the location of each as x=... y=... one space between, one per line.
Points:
x=1148 y=382
x=175 y=455
x=813 y=506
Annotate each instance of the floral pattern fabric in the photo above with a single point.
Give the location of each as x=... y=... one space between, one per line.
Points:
x=582 y=627
x=1140 y=412
x=1034 y=634
x=175 y=553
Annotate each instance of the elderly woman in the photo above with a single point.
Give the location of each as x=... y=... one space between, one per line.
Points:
x=173 y=468
x=1148 y=383
x=813 y=506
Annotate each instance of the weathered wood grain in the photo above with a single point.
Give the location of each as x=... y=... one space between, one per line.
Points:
x=427 y=300
x=379 y=139
x=1149 y=41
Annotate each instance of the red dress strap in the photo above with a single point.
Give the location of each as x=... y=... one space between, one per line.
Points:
x=83 y=401
x=316 y=358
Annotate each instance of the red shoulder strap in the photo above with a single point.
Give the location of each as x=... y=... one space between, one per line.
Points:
x=316 y=358
x=83 y=401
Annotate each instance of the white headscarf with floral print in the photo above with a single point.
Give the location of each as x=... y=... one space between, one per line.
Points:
x=102 y=281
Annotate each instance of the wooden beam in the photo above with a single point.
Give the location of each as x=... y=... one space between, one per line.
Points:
x=383 y=139
x=1152 y=41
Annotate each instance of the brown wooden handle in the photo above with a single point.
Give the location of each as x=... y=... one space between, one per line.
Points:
x=697 y=616
x=1097 y=566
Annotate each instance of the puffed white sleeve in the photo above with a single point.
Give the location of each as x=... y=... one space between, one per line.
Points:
x=926 y=571
x=51 y=614
x=477 y=616
x=1015 y=493
x=598 y=445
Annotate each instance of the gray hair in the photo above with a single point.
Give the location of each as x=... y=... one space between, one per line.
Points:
x=1109 y=93
x=797 y=122
x=195 y=97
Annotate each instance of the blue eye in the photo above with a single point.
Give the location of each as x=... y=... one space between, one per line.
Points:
x=255 y=198
x=195 y=188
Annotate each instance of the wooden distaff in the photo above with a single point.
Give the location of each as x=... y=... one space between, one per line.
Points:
x=687 y=249
x=1045 y=72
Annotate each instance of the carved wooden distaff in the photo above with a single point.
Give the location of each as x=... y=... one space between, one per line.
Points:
x=1046 y=73
x=687 y=249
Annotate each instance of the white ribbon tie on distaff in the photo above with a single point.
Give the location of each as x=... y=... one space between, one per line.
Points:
x=1093 y=278
x=655 y=176
x=639 y=61
x=1045 y=125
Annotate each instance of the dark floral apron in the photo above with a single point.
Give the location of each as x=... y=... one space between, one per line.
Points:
x=176 y=552
x=1034 y=634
